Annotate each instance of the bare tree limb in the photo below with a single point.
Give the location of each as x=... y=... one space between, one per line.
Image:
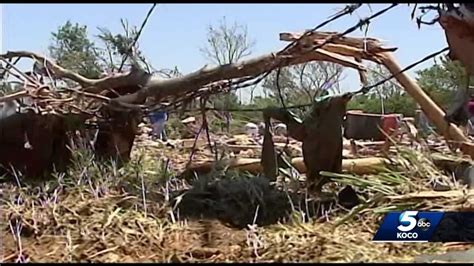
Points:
x=194 y=81
x=56 y=69
x=134 y=78
x=138 y=35
x=13 y=96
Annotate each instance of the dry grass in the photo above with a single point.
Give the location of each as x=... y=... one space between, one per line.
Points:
x=141 y=213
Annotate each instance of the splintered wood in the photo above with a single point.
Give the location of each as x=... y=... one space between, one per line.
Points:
x=370 y=49
x=356 y=166
x=134 y=87
x=207 y=80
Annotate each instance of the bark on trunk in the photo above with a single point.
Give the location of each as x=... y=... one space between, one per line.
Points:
x=196 y=80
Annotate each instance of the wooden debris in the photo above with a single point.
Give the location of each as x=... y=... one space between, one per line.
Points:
x=357 y=166
x=433 y=195
x=371 y=44
x=269 y=158
x=358 y=48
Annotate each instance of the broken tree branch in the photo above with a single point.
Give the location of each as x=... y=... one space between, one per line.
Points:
x=13 y=96
x=134 y=78
x=371 y=45
x=57 y=70
x=346 y=46
x=194 y=81
x=138 y=35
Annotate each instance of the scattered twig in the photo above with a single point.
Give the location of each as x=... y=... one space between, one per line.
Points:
x=91 y=95
x=21 y=73
x=278 y=88
x=137 y=36
x=193 y=149
x=13 y=96
x=206 y=126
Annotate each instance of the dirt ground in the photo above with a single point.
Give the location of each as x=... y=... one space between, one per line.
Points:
x=96 y=213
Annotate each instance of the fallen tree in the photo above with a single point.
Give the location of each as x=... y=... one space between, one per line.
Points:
x=114 y=103
x=118 y=99
x=161 y=88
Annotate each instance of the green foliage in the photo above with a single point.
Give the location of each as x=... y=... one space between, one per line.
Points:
x=262 y=102
x=442 y=80
x=72 y=49
x=400 y=103
x=117 y=46
x=388 y=98
x=174 y=127
x=439 y=81
x=226 y=101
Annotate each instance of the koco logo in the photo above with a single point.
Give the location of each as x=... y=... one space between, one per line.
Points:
x=407 y=222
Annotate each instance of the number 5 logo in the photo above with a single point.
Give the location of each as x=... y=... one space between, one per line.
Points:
x=407 y=221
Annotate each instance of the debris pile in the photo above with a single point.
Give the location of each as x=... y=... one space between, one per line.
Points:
x=193 y=221
x=182 y=200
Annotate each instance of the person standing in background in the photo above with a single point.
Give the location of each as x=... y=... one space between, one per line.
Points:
x=158 y=120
